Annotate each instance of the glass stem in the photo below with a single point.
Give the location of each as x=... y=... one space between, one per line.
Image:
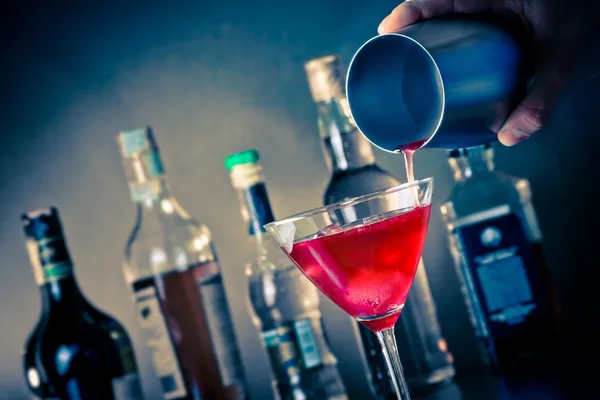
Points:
x=390 y=352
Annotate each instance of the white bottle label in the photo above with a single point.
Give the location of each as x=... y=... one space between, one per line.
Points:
x=221 y=331
x=163 y=353
x=499 y=266
x=506 y=288
x=309 y=349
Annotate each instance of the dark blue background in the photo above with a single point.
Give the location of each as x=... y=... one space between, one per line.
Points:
x=216 y=78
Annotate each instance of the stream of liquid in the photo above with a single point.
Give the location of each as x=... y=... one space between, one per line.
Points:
x=408 y=163
x=409 y=151
x=410 y=173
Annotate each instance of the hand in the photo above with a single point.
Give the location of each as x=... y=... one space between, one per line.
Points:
x=557 y=30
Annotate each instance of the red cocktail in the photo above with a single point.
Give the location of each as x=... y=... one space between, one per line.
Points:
x=367 y=270
x=363 y=253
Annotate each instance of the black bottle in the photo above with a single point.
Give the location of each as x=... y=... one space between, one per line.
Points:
x=75 y=351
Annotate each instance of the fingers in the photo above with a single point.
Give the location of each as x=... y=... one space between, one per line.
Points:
x=533 y=112
x=524 y=121
x=555 y=62
x=405 y=14
x=411 y=11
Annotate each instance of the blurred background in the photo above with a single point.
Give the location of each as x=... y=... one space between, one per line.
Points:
x=214 y=78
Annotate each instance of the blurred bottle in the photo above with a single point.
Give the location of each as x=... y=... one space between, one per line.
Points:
x=496 y=245
x=75 y=350
x=172 y=267
x=423 y=351
x=283 y=303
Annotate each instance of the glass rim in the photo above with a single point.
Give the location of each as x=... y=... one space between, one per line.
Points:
x=348 y=202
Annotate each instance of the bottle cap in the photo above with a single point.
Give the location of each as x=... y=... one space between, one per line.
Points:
x=141 y=161
x=46 y=245
x=42 y=224
x=135 y=141
x=246 y=174
x=326 y=77
x=244 y=169
x=249 y=156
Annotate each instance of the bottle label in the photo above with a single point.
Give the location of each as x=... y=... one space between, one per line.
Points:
x=164 y=357
x=127 y=387
x=293 y=347
x=499 y=267
x=297 y=349
x=309 y=348
x=221 y=330
x=46 y=245
x=283 y=352
x=50 y=259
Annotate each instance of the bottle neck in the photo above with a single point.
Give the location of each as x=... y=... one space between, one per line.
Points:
x=254 y=204
x=260 y=214
x=467 y=163
x=256 y=209
x=345 y=148
x=265 y=246
x=53 y=272
x=154 y=196
x=148 y=185
x=61 y=292
x=147 y=180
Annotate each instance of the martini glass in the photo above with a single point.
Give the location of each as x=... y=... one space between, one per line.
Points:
x=363 y=253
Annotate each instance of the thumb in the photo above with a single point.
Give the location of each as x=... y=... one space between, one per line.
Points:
x=557 y=52
x=413 y=11
x=534 y=111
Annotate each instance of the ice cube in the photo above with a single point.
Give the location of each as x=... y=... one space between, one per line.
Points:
x=353 y=224
x=328 y=230
x=286 y=240
x=373 y=219
x=285 y=236
x=380 y=217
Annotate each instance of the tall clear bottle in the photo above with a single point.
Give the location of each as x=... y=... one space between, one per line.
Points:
x=283 y=303
x=354 y=172
x=172 y=267
x=496 y=245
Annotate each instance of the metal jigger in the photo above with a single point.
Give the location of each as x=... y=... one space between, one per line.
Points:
x=444 y=83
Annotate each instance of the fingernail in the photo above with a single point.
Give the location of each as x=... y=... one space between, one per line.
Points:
x=510 y=137
x=381 y=26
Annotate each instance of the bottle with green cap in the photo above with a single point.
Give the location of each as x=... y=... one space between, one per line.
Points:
x=283 y=303
x=174 y=273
